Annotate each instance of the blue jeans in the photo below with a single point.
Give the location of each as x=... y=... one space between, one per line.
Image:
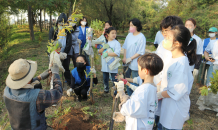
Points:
x=127 y=75
x=170 y=129
x=106 y=80
x=157 y=121
x=211 y=69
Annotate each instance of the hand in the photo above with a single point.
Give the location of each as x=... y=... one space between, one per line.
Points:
x=211 y=59
x=55 y=68
x=128 y=60
x=105 y=54
x=159 y=96
x=79 y=41
x=92 y=70
x=69 y=92
x=123 y=99
x=45 y=74
x=124 y=60
x=119 y=85
x=119 y=76
x=118 y=117
x=105 y=46
x=124 y=80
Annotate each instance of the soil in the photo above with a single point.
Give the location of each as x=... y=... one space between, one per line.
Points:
x=77 y=120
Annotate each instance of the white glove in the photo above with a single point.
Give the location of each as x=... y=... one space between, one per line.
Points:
x=79 y=41
x=159 y=95
x=63 y=55
x=135 y=80
x=118 y=117
x=92 y=70
x=128 y=60
x=120 y=85
x=133 y=87
x=69 y=92
x=195 y=73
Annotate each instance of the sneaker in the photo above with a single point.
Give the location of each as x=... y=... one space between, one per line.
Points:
x=54 y=105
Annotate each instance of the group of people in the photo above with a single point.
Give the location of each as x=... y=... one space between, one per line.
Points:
x=158 y=84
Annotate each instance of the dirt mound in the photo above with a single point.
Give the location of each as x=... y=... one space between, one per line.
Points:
x=77 y=120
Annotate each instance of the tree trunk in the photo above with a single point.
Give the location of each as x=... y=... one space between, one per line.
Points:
x=21 y=18
x=50 y=19
x=70 y=9
x=40 y=20
x=30 y=23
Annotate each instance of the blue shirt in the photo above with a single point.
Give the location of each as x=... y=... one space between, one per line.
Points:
x=158 y=38
x=115 y=45
x=134 y=45
x=82 y=36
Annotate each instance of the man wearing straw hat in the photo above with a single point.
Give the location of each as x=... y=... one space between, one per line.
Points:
x=26 y=105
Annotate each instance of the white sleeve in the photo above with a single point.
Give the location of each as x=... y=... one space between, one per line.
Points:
x=133 y=87
x=209 y=48
x=135 y=80
x=201 y=46
x=155 y=40
x=136 y=106
x=177 y=85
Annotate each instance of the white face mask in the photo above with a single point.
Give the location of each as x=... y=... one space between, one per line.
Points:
x=212 y=35
x=191 y=29
x=167 y=44
x=83 y=23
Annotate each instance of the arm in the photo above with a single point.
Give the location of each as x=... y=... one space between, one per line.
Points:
x=112 y=54
x=129 y=80
x=46 y=98
x=135 y=56
x=68 y=43
x=207 y=51
x=124 y=56
x=100 y=51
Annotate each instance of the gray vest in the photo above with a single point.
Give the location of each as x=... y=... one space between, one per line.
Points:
x=21 y=106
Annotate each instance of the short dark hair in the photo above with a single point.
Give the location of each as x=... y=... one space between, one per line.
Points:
x=84 y=57
x=171 y=21
x=109 y=22
x=136 y=22
x=151 y=62
x=82 y=20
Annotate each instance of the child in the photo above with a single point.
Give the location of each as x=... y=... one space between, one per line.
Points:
x=139 y=110
x=82 y=35
x=115 y=46
x=177 y=77
x=165 y=26
x=56 y=57
x=191 y=25
x=79 y=82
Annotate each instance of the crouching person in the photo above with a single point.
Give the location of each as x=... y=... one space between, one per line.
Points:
x=26 y=105
x=139 y=109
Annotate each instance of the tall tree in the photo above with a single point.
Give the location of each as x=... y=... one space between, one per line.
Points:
x=32 y=37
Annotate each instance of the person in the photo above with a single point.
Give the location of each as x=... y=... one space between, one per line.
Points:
x=52 y=32
x=178 y=78
x=191 y=25
x=80 y=83
x=56 y=57
x=166 y=24
x=66 y=41
x=158 y=38
x=74 y=51
x=134 y=47
x=26 y=104
x=83 y=25
x=212 y=38
x=115 y=46
x=139 y=110
x=106 y=26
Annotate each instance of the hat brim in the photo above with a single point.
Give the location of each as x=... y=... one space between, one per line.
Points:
x=21 y=83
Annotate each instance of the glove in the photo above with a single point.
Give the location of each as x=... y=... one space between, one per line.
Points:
x=79 y=41
x=63 y=55
x=119 y=77
x=128 y=60
x=55 y=68
x=105 y=46
x=105 y=54
x=135 y=80
x=69 y=92
x=92 y=70
x=195 y=73
x=45 y=74
x=118 y=117
x=123 y=99
x=124 y=80
x=159 y=96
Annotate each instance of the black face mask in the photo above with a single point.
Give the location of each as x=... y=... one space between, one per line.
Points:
x=80 y=65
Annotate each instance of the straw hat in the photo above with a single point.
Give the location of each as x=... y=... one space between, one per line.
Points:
x=21 y=71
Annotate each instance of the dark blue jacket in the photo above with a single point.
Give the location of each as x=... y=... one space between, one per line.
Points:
x=75 y=74
x=82 y=36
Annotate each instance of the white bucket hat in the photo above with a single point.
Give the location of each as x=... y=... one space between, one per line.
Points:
x=21 y=71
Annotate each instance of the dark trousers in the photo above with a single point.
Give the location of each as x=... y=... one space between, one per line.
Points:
x=198 y=62
x=106 y=80
x=73 y=57
x=66 y=65
x=81 y=91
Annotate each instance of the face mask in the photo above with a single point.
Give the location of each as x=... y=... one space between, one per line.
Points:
x=79 y=65
x=167 y=44
x=132 y=29
x=60 y=27
x=212 y=35
x=83 y=23
x=191 y=29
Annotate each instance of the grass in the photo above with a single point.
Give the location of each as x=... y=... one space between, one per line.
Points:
x=21 y=47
